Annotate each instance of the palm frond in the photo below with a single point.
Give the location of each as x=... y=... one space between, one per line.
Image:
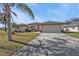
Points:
x=24 y=8
x=13 y=13
x=12 y=18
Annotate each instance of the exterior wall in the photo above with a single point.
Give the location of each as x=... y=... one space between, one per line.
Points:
x=23 y=28
x=20 y=28
x=51 y=28
x=35 y=26
x=47 y=28
x=72 y=29
x=40 y=27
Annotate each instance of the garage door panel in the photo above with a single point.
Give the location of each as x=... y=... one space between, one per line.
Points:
x=50 y=29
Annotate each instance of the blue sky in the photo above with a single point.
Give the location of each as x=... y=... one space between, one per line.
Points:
x=48 y=12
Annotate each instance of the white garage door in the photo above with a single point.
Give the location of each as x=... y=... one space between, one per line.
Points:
x=50 y=29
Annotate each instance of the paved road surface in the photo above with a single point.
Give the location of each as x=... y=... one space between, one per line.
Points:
x=51 y=44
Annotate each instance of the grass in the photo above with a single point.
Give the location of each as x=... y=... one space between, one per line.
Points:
x=73 y=34
x=8 y=47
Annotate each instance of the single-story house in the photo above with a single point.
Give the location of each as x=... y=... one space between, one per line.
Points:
x=71 y=27
x=50 y=26
x=20 y=27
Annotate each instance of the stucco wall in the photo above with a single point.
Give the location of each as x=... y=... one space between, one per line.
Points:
x=48 y=27
x=51 y=28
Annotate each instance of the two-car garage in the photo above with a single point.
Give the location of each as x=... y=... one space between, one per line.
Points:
x=51 y=28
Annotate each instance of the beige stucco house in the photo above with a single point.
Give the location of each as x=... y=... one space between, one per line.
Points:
x=50 y=26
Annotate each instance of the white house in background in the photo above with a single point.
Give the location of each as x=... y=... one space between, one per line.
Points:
x=72 y=27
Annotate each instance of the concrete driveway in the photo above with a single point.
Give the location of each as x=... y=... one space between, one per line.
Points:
x=51 y=44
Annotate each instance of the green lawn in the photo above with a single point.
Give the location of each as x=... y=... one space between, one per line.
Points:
x=8 y=47
x=73 y=34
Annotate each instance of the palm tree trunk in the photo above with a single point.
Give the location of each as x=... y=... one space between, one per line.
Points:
x=7 y=9
x=5 y=28
x=9 y=28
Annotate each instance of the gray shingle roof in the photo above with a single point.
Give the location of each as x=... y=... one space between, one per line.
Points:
x=48 y=22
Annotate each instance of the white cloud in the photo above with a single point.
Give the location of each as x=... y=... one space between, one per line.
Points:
x=57 y=12
x=60 y=12
x=38 y=19
x=65 y=5
x=55 y=18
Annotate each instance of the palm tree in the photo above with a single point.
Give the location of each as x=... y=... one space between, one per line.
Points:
x=6 y=7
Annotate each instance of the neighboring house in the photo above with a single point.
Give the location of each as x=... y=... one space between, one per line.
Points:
x=72 y=27
x=49 y=26
x=20 y=27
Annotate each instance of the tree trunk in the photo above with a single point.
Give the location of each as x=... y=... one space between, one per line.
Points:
x=9 y=28
x=7 y=10
x=5 y=28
